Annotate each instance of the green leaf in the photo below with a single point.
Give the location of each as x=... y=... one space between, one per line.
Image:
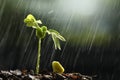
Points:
x=30 y=20
x=39 y=32
x=39 y=21
x=56 y=37
x=60 y=37
x=56 y=42
x=57 y=34
x=53 y=31
x=48 y=32
x=44 y=28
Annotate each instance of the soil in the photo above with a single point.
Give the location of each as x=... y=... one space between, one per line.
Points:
x=45 y=75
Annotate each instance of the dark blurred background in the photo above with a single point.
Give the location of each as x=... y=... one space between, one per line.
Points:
x=91 y=28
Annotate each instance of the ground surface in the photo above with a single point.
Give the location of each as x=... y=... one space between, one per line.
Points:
x=29 y=75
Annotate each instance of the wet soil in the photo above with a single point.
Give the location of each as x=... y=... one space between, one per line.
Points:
x=29 y=75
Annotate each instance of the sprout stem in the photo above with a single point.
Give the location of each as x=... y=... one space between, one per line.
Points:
x=38 y=57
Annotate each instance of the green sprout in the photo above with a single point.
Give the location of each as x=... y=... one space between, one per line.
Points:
x=41 y=32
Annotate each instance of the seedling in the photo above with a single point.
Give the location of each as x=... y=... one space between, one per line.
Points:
x=41 y=32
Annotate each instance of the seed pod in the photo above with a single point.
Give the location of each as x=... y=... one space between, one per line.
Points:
x=57 y=67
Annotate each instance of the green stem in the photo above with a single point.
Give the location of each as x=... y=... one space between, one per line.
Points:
x=38 y=57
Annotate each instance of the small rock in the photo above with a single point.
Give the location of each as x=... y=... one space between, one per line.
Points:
x=24 y=72
x=32 y=72
x=16 y=72
x=47 y=77
x=6 y=72
x=27 y=78
x=60 y=76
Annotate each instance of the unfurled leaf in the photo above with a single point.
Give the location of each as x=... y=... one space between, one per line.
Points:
x=57 y=34
x=60 y=37
x=39 y=21
x=48 y=32
x=56 y=42
x=56 y=37
x=53 y=31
